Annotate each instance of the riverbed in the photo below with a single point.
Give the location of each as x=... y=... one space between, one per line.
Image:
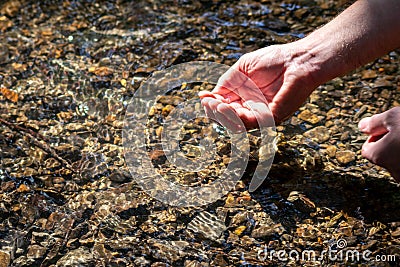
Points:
x=68 y=71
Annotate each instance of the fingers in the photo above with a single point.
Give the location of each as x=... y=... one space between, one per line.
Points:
x=256 y=114
x=204 y=94
x=384 y=152
x=375 y=125
x=208 y=104
x=227 y=116
x=236 y=96
x=374 y=149
x=223 y=113
x=233 y=115
x=230 y=81
x=383 y=145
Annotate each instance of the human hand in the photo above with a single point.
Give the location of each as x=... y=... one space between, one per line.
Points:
x=277 y=77
x=383 y=144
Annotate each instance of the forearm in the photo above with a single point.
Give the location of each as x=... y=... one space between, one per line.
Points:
x=363 y=32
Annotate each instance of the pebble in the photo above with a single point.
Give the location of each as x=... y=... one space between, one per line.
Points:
x=265 y=231
x=194 y=263
x=239 y=230
x=368 y=74
x=345 y=157
x=331 y=151
x=4 y=259
x=208 y=225
x=7 y=186
x=396 y=233
x=4 y=54
x=308 y=116
x=23 y=188
x=5 y=23
x=78 y=257
x=36 y=251
x=333 y=113
x=382 y=82
x=320 y=134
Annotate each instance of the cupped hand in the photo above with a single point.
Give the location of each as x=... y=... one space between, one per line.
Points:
x=271 y=77
x=383 y=144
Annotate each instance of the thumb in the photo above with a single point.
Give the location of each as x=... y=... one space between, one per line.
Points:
x=229 y=83
x=375 y=125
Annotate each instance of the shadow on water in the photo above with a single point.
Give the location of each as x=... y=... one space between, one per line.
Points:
x=367 y=198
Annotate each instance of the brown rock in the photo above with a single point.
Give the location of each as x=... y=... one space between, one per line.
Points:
x=307 y=116
x=345 y=157
x=4 y=259
x=23 y=189
x=7 y=186
x=320 y=134
x=331 y=151
x=11 y=8
x=36 y=251
x=5 y=23
x=382 y=82
x=101 y=71
x=396 y=233
x=368 y=74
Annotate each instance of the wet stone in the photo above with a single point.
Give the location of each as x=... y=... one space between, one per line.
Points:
x=78 y=257
x=263 y=231
x=141 y=261
x=320 y=134
x=383 y=82
x=345 y=157
x=331 y=151
x=396 y=233
x=207 y=225
x=172 y=251
x=368 y=74
x=11 y=8
x=36 y=251
x=4 y=259
x=5 y=23
x=307 y=116
x=7 y=186
x=4 y=53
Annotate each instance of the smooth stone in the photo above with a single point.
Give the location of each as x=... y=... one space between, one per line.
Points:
x=78 y=257
x=4 y=259
x=331 y=151
x=368 y=74
x=308 y=116
x=345 y=157
x=320 y=134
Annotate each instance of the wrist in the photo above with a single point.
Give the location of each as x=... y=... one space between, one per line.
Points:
x=320 y=59
x=306 y=65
